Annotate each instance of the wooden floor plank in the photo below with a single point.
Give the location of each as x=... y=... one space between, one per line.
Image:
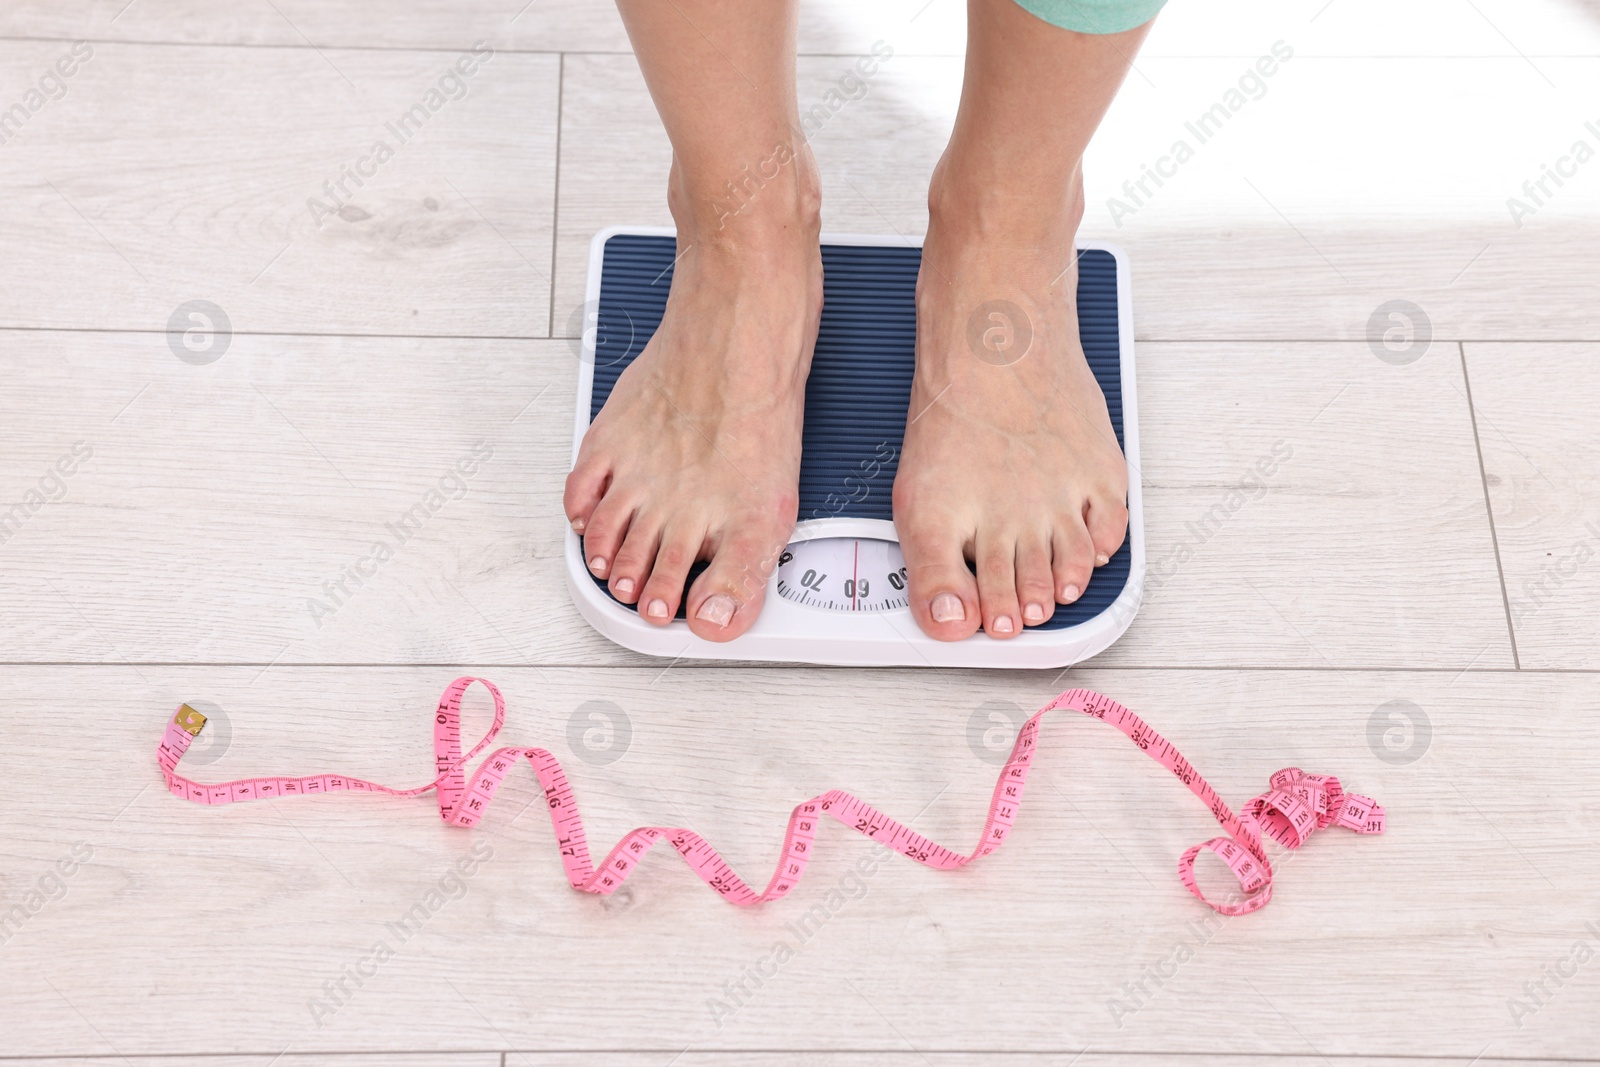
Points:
x=1425 y=941
x=239 y=511
x=1289 y=486
x=1274 y=229
x=1314 y=237
x=294 y=501
x=169 y=175
x=1541 y=452
x=828 y=26
x=914 y=27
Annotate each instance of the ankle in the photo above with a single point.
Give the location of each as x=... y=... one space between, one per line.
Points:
x=968 y=202
x=776 y=197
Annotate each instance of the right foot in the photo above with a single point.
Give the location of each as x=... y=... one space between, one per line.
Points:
x=696 y=453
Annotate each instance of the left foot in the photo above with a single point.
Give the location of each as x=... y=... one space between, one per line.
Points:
x=1010 y=458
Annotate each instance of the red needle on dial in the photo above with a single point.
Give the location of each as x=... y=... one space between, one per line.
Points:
x=855 y=569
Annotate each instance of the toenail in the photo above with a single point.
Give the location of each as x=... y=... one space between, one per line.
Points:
x=577 y=525
x=1033 y=613
x=1003 y=624
x=1101 y=560
x=624 y=586
x=717 y=610
x=598 y=565
x=947 y=607
x=1069 y=593
x=657 y=609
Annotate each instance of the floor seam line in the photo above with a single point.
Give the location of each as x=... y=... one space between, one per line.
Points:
x=1418 y=1058
x=726 y=665
x=555 y=207
x=136 y=331
x=1488 y=505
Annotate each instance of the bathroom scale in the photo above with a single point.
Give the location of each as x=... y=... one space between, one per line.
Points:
x=838 y=595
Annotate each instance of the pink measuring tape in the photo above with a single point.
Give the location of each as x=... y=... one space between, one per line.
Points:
x=1297 y=805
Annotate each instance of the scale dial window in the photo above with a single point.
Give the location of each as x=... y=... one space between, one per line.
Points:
x=850 y=574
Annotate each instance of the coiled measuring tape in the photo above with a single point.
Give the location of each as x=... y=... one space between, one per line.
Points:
x=1295 y=807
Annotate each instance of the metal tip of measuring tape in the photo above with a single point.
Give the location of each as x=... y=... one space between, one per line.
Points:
x=189 y=719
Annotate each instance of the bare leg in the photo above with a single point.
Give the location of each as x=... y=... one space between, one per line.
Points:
x=696 y=454
x=1010 y=460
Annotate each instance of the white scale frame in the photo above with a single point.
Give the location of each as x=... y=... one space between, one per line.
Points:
x=795 y=633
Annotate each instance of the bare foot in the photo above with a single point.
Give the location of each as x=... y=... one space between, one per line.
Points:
x=1010 y=458
x=696 y=453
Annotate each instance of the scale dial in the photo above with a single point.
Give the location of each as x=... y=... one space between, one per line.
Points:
x=844 y=574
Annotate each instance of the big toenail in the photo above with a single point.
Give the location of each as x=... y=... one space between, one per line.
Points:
x=577 y=525
x=657 y=609
x=1003 y=624
x=1033 y=613
x=598 y=565
x=624 y=586
x=1101 y=560
x=1069 y=593
x=947 y=607
x=717 y=610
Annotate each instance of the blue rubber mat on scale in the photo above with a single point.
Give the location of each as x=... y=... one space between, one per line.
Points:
x=860 y=384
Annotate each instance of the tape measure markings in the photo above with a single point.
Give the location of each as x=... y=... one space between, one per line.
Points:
x=1295 y=806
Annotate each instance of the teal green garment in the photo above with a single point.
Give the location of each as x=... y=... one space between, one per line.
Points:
x=1094 y=16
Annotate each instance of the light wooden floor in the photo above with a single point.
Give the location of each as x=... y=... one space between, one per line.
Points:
x=1431 y=550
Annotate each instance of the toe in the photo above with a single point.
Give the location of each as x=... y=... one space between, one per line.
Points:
x=725 y=600
x=603 y=535
x=658 y=600
x=944 y=595
x=1035 y=583
x=1072 y=555
x=586 y=486
x=1107 y=520
x=635 y=559
x=997 y=584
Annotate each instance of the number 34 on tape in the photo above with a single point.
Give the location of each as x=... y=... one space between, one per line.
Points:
x=1296 y=805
